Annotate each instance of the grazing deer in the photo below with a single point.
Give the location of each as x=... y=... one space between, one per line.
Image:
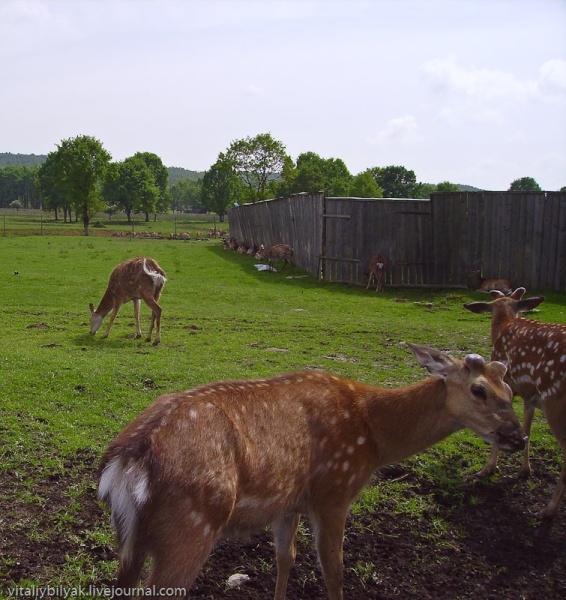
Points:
x=535 y=354
x=282 y=252
x=481 y=284
x=230 y=458
x=136 y=279
x=376 y=271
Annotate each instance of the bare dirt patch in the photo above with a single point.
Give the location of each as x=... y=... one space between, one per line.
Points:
x=491 y=546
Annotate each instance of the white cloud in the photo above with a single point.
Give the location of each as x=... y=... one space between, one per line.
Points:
x=553 y=77
x=446 y=76
x=404 y=130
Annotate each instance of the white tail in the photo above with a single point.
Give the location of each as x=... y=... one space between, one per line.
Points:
x=535 y=353
x=136 y=279
x=230 y=458
x=376 y=271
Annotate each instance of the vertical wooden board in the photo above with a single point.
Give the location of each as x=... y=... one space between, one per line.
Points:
x=554 y=202
x=538 y=232
x=516 y=244
x=505 y=235
x=559 y=282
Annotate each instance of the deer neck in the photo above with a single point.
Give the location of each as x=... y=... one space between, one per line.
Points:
x=106 y=304
x=501 y=319
x=408 y=420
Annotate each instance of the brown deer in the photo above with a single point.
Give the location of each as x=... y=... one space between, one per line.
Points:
x=230 y=458
x=137 y=279
x=282 y=252
x=376 y=271
x=535 y=354
x=481 y=284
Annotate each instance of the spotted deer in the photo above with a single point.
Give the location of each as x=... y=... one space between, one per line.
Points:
x=137 y=279
x=282 y=252
x=535 y=354
x=376 y=271
x=230 y=458
x=481 y=284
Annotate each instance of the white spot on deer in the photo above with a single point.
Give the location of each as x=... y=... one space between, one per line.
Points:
x=350 y=450
x=345 y=466
x=351 y=387
x=193 y=414
x=361 y=441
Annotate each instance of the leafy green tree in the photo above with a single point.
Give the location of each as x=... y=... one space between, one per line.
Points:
x=562 y=189
x=257 y=160
x=80 y=164
x=185 y=195
x=446 y=186
x=221 y=187
x=131 y=185
x=315 y=174
x=15 y=204
x=51 y=188
x=18 y=182
x=364 y=186
x=161 y=176
x=525 y=184
x=396 y=181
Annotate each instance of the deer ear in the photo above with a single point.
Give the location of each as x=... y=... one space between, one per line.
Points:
x=478 y=307
x=91 y=306
x=436 y=362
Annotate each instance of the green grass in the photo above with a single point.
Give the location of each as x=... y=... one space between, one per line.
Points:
x=65 y=392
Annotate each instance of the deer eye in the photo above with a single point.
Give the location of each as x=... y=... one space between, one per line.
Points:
x=478 y=391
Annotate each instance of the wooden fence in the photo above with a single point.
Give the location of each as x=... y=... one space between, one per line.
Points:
x=436 y=242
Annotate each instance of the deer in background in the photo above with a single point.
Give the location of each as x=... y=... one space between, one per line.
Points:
x=229 y=458
x=535 y=354
x=481 y=284
x=376 y=271
x=136 y=279
x=282 y=252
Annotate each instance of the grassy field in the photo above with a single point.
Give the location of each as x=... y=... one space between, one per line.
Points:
x=66 y=394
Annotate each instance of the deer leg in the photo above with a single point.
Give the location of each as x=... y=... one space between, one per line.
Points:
x=137 y=303
x=285 y=535
x=556 y=415
x=130 y=569
x=111 y=320
x=491 y=465
x=329 y=535
x=529 y=413
x=180 y=552
x=369 y=281
x=155 y=320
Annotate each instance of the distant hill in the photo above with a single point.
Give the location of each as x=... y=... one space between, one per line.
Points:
x=469 y=188
x=178 y=173
x=7 y=159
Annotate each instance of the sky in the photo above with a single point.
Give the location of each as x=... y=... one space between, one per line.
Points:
x=467 y=91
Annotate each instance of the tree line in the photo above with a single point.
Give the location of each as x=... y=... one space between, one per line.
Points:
x=80 y=177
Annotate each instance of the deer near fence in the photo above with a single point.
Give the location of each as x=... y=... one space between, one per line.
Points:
x=137 y=279
x=535 y=353
x=229 y=458
x=376 y=271
x=481 y=284
x=281 y=252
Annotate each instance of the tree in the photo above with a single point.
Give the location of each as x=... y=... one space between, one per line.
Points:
x=185 y=195
x=51 y=188
x=395 y=181
x=131 y=185
x=79 y=165
x=364 y=186
x=315 y=174
x=525 y=184
x=446 y=186
x=221 y=187
x=257 y=160
x=161 y=176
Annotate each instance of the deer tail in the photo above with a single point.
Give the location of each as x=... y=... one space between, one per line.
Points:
x=158 y=278
x=124 y=486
